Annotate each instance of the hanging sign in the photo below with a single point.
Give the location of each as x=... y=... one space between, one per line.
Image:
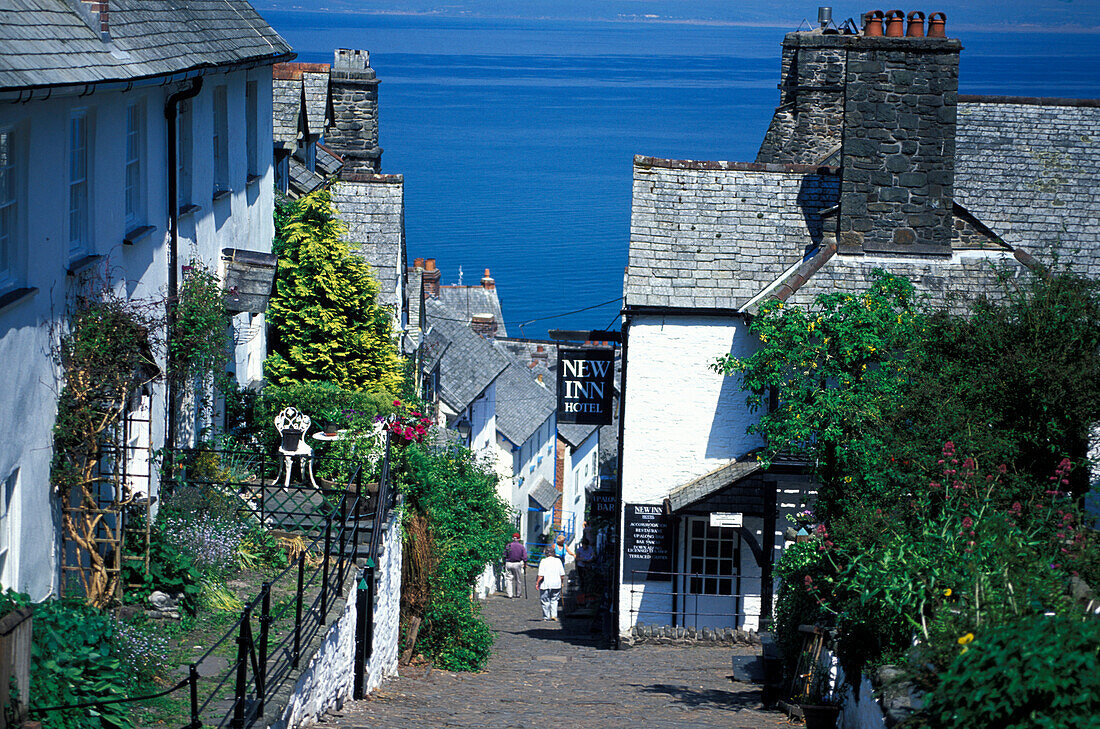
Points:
x=586 y=380
x=720 y=519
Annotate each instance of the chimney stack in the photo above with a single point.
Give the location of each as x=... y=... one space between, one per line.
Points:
x=884 y=107
x=484 y=325
x=432 y=276
x=354 y=131
x=487 y=281
x=98 y=17
x=418 y=264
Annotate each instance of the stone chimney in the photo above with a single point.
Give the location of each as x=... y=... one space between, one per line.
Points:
x=487 y=281
x=432 y=276
x=484 y=325
x=884 y=108
x=898 y=154
x=354 y=131
x=418 y=264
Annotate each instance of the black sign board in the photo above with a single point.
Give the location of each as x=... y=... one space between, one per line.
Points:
x=586 y=380
x=646 y=546
x=603 y=505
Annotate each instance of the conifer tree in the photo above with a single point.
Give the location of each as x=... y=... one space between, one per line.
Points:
x=326 y=320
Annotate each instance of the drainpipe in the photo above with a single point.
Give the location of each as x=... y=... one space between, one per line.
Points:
x=619 y=536
x=171 y=109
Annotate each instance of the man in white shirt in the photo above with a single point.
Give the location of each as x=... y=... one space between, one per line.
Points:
x=549 y=581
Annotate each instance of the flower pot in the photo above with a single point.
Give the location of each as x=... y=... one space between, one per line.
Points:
x=820 y=716
x=330 y=429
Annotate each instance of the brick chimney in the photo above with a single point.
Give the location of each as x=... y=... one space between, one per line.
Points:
x=484 y=325
x=432 y=276
x=354 y=131
x=97 y=16
x=487 y=281
x=885 y=109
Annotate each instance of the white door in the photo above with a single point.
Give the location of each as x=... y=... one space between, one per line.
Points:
x=711 y=587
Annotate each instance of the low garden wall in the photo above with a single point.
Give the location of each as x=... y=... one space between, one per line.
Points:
x=328 y=680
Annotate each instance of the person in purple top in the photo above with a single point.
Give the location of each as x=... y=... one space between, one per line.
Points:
x=515 y=560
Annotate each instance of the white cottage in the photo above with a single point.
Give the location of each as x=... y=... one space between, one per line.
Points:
x=872 y=161
x=125 y=153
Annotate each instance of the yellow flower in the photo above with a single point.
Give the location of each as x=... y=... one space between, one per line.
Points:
x=968 y=638
x=947 y=592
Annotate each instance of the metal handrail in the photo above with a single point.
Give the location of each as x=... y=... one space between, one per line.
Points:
x=263 y=678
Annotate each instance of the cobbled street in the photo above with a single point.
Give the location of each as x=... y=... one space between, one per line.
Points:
x=547 y=674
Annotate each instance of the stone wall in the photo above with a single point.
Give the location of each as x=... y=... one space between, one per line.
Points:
x=328 y=680
x=373 y=206
x=807 y=126
x=353 y=133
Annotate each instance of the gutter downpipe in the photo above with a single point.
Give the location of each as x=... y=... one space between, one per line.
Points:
x=171 y=111
x=619 y=539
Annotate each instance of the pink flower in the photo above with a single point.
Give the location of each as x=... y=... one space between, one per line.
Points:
x=967 y=522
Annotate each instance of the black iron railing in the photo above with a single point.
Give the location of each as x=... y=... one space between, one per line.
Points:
x=270 y=646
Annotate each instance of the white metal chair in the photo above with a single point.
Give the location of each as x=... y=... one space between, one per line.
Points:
x=292 y=425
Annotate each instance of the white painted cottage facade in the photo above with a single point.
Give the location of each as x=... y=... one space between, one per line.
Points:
x=84 y=181
x=855 y=174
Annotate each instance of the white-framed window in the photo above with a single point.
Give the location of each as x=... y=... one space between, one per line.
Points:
x=79 y=192
x=252 y=121
x=135 y=161
x=714 y=559
x=9 y=207
x=9 y=531
x=185 y=153
x=221 y=140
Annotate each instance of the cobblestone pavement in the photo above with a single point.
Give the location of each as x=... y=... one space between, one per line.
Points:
x=547 y=674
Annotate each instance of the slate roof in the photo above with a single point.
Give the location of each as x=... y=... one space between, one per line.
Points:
x=318 y=102
x=467 y=363
x=711 y=235
x=50 y=43
x=544 y=494
x=719 y=235
x=709 y=483
x=1028 y=168
x=286 y=109
x=302 y=181
x=327 y=161
x=373 y=206
x=523 y=405
x=470 y=300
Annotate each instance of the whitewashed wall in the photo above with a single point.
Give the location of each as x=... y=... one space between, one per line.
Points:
x=681 y=418
x=534 y=461
x=582 y=476
x=28 y=326
x=328 y=681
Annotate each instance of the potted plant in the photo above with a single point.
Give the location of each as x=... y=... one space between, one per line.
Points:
x=820 y=705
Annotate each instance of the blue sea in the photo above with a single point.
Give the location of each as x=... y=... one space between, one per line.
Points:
x=516 y=138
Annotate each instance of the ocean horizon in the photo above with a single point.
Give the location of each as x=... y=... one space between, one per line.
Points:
x=516 y=137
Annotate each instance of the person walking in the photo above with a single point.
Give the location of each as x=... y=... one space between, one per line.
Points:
x=515 y=561
x=561 y=549
x=548 y=583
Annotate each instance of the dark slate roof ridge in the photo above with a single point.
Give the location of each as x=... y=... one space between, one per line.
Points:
x=709 y=483
x=1027 y=100
x=691 y=164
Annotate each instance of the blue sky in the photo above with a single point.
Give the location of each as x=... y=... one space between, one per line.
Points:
x=1003 y=15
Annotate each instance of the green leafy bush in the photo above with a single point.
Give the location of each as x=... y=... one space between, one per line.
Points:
x=170 y=571
x=199 y=340
x=468 y=527
x=801 y=570
x=73 y=662
x=326 y=321
x=1039 y=672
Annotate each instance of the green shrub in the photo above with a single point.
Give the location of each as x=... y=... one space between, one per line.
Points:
x=72 y=662
x=1042 y=672
x=170 y=571
x=797 y=602
x=468 y=526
